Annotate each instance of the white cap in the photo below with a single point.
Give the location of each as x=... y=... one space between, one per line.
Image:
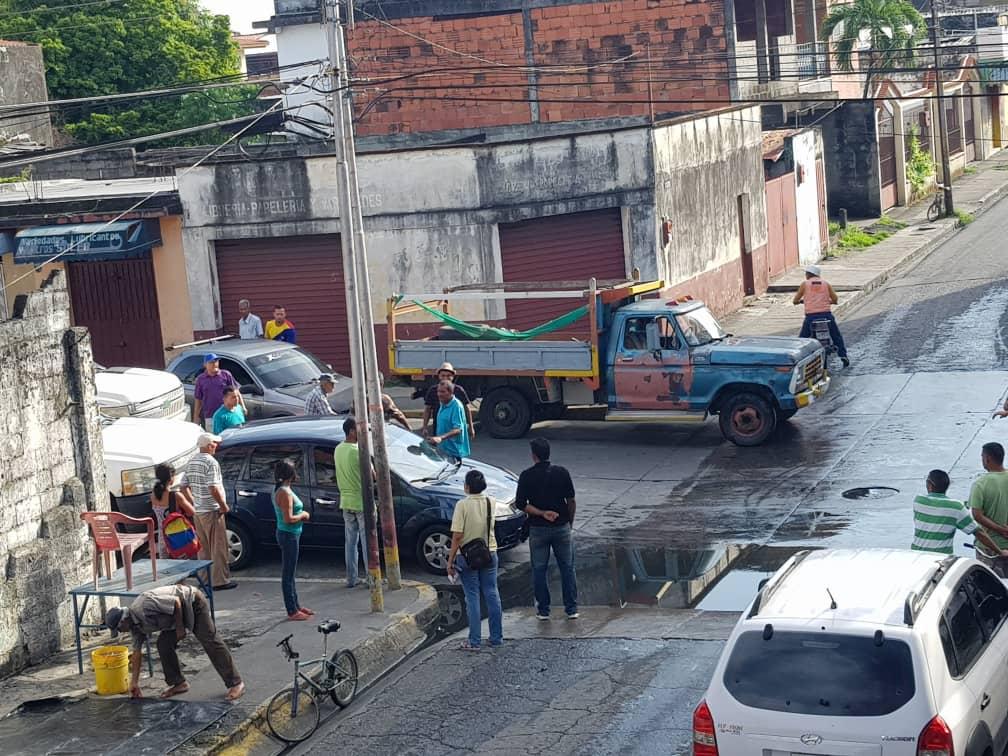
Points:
x=812 y=270
x=205 y=439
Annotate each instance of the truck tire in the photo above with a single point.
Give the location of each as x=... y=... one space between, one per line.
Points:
x=505 y=413
x=747 y=419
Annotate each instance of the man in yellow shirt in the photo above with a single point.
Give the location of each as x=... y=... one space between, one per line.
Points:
x=280 y=329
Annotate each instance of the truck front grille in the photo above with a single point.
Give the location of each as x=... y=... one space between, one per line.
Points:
x=813 y=370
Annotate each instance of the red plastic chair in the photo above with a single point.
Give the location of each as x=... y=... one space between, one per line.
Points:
x=107 y=539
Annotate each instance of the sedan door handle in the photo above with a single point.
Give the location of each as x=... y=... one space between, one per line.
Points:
x=325 y=501
x=984 y=701
x=626 y=359
x=247 y=493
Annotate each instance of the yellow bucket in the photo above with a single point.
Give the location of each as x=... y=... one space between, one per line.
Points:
x=111 y=668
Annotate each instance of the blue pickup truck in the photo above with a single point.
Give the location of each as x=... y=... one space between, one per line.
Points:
x=643 y=359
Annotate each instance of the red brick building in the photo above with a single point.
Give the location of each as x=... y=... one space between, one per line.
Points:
x=461 y=65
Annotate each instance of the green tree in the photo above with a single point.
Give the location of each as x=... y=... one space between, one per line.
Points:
x=126 y=46
x=894 y=27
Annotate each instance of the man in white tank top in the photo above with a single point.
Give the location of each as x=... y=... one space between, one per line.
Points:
x=819 y=298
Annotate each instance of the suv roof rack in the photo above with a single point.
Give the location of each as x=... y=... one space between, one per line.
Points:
x=915 y=600
x=767 y=590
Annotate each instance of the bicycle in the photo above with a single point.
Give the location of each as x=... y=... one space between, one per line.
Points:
x=293 y=713
x=937 y=208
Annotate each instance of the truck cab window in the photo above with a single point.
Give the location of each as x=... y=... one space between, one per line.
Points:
x=668 y=336
x=635 y=334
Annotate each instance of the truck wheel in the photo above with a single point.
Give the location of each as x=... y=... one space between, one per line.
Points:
x=505 y=413
x=747 y=419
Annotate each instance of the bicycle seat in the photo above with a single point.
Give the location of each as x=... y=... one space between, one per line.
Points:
x=329 y=626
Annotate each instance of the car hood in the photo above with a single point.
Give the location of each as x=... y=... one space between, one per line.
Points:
x=132 y=442
x=502 y=485
x=756 y=350
x=132 y=386
x=341 y=399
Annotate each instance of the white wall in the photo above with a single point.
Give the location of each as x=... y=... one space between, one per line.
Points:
x=806 y=196
x=297 y=44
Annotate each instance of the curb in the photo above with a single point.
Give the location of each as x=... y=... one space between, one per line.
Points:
x=406 y=632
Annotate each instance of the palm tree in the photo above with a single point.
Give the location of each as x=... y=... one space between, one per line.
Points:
x=894 y=28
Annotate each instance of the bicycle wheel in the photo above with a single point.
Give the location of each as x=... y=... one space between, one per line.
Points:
x=344 y=669
x=934 y=211
x=289 y=728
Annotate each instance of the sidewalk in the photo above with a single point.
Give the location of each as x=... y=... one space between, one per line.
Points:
x=855 y=274
x=251 y=620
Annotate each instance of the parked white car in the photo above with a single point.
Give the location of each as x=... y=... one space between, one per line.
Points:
x=139 y=392
x=134 y=446
x=864 y=653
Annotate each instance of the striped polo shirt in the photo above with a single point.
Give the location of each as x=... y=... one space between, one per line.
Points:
x=936 y=518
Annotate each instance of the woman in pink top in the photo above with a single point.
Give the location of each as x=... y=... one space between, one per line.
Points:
x=819 y=298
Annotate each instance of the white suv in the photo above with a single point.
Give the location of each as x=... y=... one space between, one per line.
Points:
x=858 y=652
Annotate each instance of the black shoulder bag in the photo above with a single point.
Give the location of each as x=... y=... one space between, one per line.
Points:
x=477 y=551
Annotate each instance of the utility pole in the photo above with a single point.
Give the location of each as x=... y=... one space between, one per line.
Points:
x=942 y=127
x=366 y=382
x=353 y=319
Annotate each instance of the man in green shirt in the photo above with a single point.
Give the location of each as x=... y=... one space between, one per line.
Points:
x=989 y=502
x=348 y=479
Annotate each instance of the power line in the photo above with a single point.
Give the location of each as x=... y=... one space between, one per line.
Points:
x=57 y=8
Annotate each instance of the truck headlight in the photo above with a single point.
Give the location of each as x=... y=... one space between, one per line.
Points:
x=122 y=410
x=138 y=481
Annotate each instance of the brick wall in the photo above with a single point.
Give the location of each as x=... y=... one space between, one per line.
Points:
x=51 y=447
x=568 y=43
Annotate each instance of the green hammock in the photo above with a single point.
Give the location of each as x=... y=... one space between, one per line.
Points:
x=483 y=332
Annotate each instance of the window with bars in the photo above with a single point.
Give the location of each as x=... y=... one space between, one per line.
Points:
x=953 y=126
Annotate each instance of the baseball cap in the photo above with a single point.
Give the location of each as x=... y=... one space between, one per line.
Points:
x=327 y=377
x=205 y=439
x=112 y=619
x=210 y=358
x=447 y=366
x=812 y=270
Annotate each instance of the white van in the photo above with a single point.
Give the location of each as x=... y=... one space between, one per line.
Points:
x=139 y=392
x=134 y=446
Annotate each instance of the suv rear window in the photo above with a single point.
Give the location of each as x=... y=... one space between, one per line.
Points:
x=820 y=673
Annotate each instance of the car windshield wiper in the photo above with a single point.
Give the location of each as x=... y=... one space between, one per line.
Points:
x=441 y=473
x=293 y=383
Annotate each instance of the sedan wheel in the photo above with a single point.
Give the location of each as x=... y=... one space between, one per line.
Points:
x=239 y=545
x=433 y=547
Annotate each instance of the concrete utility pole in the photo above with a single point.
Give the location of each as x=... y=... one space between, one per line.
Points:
x=942 y=127
x=366 y=382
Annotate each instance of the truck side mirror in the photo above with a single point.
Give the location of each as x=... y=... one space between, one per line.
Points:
x=652 y=337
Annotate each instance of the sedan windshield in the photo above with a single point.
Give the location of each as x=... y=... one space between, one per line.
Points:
x=699 y=327
x=412 y=457
x=286 y=367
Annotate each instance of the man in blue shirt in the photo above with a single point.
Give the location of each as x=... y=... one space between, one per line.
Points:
x=229 y=414
x=452 y=428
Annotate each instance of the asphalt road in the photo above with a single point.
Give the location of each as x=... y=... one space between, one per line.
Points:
x=671 y=518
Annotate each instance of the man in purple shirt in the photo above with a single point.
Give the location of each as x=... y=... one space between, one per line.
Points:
x=208 y=393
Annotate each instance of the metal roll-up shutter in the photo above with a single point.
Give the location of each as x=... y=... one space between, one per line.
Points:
x=304 y=274
x=574 y=247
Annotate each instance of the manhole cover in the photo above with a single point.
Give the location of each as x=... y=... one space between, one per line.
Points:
x=870 y=492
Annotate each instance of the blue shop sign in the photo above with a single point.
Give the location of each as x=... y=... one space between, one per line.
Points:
x=86 y=241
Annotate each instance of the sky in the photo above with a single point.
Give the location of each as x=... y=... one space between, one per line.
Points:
x=242 y=12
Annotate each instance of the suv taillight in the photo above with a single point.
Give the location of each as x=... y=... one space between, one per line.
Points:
x=935 y=739
x=704 y=742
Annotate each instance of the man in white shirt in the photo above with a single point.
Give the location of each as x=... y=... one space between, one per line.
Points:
x=249 y=325
x=205 y=487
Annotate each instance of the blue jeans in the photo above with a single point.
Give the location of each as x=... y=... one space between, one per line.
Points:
x=290 y=544
x=834 y=331
x=482 y=581
x=353 y=533
x=541 y=540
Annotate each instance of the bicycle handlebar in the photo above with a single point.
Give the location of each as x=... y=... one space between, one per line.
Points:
x=284 y=641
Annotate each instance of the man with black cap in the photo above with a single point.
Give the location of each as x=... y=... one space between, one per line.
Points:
x=173 y=611
x=316 y=403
